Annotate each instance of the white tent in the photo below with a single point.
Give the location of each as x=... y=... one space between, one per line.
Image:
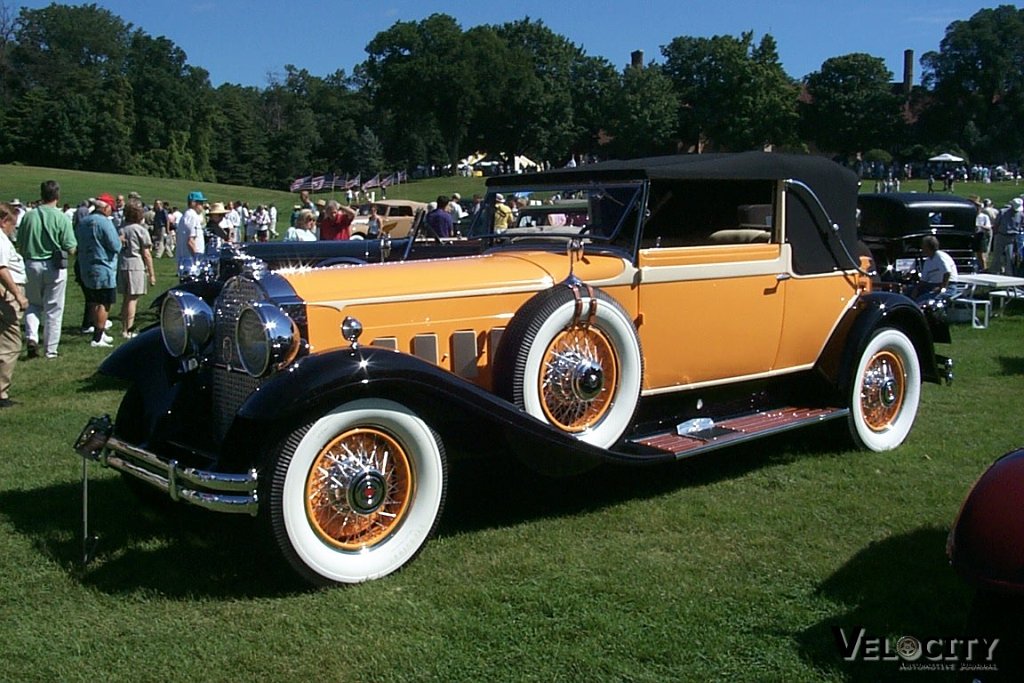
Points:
x=946 y=156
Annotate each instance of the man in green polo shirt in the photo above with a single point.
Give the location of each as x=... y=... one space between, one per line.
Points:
x=43 y=234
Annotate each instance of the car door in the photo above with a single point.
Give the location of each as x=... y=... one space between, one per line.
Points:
x=709 y=313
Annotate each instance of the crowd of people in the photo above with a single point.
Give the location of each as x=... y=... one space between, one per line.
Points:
x=999 y=237
x=108 y=243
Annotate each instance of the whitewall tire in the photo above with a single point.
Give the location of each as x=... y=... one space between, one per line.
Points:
x=356 y=494
x=885 y=391
x=576 y=365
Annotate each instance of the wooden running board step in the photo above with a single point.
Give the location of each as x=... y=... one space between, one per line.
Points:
x=738 y=429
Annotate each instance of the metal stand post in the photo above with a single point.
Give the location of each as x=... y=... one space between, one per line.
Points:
x=89 y=541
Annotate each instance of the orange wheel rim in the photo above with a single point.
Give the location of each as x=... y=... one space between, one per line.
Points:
x=358 y=489
x=578 y=378
x=883 y=390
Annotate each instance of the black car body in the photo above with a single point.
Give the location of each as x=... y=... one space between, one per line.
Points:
x=893 y=224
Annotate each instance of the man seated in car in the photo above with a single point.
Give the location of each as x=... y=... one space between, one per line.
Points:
x=936 y=271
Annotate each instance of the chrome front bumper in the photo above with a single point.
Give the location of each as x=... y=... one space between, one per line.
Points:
x=217 y=491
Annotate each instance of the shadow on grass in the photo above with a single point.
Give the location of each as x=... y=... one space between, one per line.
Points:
x=98 y=382
x=179 y=552
x=902 y=586
x=1011 y=365
x=182 y=552
x=498 y=491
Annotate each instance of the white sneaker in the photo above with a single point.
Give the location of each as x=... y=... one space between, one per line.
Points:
x=101 y=344
x=107 y=338
x=88 y=330
x=107 y=324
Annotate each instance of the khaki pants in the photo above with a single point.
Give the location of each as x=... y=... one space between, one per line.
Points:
x=10 y=339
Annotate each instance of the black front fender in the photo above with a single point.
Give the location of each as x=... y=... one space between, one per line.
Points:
x=322 y=381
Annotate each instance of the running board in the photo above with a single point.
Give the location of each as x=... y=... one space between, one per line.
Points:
x=738 y=429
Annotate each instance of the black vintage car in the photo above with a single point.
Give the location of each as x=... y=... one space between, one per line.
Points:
x=892 y=225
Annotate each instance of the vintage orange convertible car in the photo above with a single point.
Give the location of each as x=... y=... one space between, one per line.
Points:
x=700 y=301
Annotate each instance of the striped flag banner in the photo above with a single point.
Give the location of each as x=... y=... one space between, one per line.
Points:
x=372 y=182
x=298 y=184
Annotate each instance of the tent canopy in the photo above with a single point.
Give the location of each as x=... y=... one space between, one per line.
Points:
x=946 y=156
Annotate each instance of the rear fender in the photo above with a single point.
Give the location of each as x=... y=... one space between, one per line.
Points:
x=872 y=311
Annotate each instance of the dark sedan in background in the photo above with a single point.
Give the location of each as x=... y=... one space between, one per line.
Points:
x=892 y=225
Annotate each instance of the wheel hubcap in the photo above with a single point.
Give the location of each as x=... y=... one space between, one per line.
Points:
x=578 y=378
x=358 y=489
x=883 y=390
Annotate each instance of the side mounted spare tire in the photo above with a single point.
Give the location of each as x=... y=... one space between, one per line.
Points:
x=574 y=363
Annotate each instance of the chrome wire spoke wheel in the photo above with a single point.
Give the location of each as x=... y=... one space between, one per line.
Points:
x=358 y=489
x=580 y=371
x=355 y=494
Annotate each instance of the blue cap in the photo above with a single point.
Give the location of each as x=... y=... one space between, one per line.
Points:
x=196 y=196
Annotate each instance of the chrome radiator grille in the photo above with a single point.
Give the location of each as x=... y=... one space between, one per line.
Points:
x=231 y=384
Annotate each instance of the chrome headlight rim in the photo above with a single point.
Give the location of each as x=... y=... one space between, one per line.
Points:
x=275 y=345
x=186 y=323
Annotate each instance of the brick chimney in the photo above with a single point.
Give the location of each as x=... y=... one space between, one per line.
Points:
x=908 y=71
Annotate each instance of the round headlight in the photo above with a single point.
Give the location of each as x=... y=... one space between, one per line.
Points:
x=186 y=323
x=266 y=338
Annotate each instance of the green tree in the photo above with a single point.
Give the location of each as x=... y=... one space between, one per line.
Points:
x=644 y=118
x=731 y=92
x=239 y=150
x=291 y=127
x=850 y=105
x=421 y=79
x=68 y=87
x=594 y=89
x=976 y=79
x=368 y=154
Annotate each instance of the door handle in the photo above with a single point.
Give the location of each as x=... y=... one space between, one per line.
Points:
x=782 y=276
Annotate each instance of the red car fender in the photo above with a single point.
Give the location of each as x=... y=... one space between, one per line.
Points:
x=986 y=543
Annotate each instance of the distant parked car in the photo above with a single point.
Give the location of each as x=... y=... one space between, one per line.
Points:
x=892 y=225
x=396 y=217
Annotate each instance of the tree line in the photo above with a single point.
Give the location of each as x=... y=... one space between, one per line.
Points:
x=81 y=88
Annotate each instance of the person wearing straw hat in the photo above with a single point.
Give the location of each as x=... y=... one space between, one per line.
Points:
x=218 y=228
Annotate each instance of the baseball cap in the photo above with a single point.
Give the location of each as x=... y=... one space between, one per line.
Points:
x=196 y=196
x=106 y=198
x=1017 y=203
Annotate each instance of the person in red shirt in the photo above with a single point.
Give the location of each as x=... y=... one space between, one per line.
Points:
x=336 y=222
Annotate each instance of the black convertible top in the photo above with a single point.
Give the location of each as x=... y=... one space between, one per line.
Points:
x=835 y=187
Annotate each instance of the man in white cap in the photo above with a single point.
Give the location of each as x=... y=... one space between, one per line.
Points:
x=191 y=242
x=1008 y=231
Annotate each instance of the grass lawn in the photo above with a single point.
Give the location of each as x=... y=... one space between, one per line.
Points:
x=732 y=566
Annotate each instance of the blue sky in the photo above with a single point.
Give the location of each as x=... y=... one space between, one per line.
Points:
x=243 y=41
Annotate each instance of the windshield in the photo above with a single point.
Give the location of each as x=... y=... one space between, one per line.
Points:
x=600 y=212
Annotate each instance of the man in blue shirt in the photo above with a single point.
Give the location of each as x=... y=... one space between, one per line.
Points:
x=439 y=220
x=98 y=247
